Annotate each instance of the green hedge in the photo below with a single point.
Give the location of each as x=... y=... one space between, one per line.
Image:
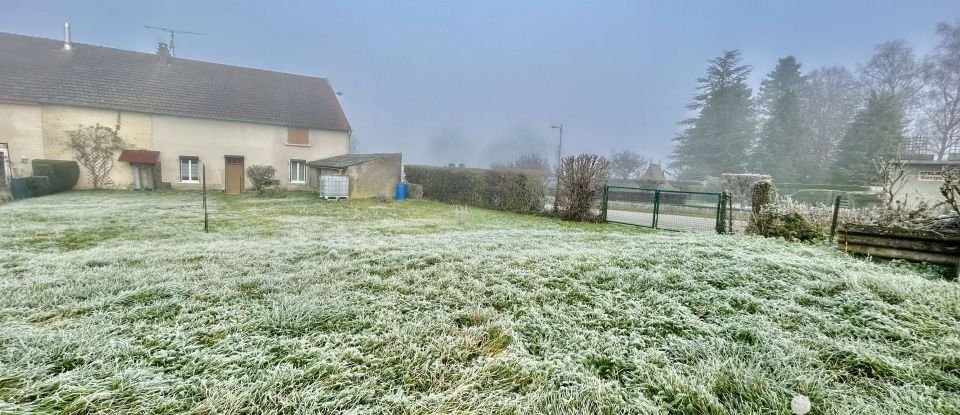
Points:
x=62 y=174
x=509 y=190
x=38 y=186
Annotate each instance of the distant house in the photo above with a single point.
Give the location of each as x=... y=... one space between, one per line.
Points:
x=653 y=178
x=184 y=113
x=371 y=175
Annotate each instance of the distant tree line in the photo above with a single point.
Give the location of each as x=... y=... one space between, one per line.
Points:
x=825 y=125
x=623 y=164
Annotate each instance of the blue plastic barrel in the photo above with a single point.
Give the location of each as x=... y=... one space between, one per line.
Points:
x=401 y=191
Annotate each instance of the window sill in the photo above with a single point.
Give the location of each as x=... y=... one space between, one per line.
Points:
x=293 y=182
x=190 y=181
x=298 y=145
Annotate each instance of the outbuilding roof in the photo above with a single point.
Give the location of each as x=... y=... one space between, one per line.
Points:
x=139 y=156
x=932 y=162
x=347 y=160
x=38 y=70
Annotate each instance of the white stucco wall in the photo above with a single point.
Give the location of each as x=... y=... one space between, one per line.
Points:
x=135 y=130
x=40 y=131
x=20 y=128
x=927 y=188
x=211 y=140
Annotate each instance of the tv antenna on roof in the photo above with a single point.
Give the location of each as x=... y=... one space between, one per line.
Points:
x=173 y=32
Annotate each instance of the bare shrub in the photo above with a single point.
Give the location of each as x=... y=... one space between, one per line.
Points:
x=261 y=176
x=892 y=177
x=950 y=188
x=580 y=181
x=95 y=148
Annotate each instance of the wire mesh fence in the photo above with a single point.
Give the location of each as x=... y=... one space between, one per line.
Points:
x=630 y=206
x=662 y=209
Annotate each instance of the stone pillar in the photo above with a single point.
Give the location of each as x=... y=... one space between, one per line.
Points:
x=136 y=177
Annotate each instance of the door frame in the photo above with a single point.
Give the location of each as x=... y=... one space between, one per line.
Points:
x=232 y=160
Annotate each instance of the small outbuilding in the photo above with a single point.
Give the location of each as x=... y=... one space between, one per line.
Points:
x=923 y=179
x=370 y=175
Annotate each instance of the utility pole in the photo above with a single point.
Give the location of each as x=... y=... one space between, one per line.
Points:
x=560 y=145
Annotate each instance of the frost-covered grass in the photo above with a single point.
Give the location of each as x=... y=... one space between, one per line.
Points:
x=119 y=303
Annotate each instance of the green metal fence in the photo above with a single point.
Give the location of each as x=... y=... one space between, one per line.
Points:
x=662 y=209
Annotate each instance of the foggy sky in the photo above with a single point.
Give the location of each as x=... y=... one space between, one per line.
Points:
x=483 y=81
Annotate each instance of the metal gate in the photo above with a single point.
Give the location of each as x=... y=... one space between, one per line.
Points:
x=662 y=209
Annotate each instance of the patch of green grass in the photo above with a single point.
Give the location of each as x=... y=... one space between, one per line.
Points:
x=118 y=302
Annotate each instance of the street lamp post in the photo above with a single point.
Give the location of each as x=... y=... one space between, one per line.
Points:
x=560 y=145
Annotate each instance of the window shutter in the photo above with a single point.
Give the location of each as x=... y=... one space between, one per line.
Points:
x=298 y=136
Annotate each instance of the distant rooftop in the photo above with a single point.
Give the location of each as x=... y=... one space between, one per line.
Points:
x=931 y=162
x=38 y=70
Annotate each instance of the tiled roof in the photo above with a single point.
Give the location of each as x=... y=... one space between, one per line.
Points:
x=38 y=70
x=347 y=160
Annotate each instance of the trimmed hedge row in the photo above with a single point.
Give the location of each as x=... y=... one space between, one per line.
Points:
x=62 y=175
x=37 y=185
x=510 y=190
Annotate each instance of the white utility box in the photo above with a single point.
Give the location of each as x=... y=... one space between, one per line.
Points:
x=334 y=187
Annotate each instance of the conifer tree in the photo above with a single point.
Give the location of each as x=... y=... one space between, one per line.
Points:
x=784 y=150
x=876 y=132
x=716 y=140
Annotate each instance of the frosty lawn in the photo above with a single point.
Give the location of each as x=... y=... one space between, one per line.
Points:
x=119 y=303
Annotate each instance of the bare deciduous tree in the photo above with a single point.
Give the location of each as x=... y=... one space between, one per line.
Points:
x=627 y=164
x=580 y=180
x=95 y=148
x=892 y=177
x=831 y=98
x=893 y=70
x=941 y=94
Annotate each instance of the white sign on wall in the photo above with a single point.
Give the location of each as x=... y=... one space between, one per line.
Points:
x=931 y=176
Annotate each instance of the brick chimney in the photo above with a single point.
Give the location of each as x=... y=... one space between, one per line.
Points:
x=162 y=50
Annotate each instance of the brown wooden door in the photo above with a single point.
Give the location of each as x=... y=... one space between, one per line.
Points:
x=233 y=175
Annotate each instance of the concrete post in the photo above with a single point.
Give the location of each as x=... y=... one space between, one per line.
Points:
x=136 y=177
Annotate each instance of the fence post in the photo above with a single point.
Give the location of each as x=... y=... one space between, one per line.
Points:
x=656 y=207
x=836 y=214
x=721 y=215
x=603 y=214
x=730 y=213
x=206 y=222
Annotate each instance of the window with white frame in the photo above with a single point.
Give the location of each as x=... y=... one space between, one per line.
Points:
x=298 y=171
x=189 y=169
